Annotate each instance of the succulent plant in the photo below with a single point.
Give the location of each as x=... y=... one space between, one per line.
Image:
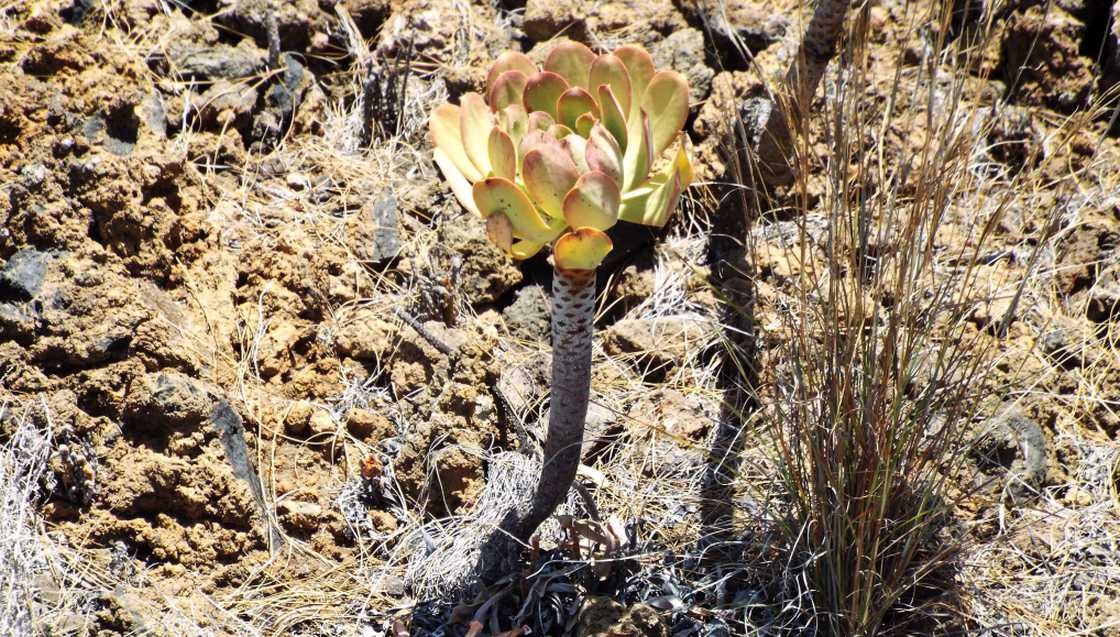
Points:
x=556 y=156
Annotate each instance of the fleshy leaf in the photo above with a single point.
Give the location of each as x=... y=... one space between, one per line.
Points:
x=549 y=173
x=593 y=202
x=542 y=92
x=603 y=153
x=638 y=158
x=503 y=154
x=444 y=126
x=559 y=131
x=573 y=61
x=666 y=102
x=682 y=163
x=497 y=195
x=509 y=61
x=614 y=118
x=640 y=67
x=514 y=121
x=460 y=187
x=476 y=121
x=524 y=249
x=662 y=202
x=652 y=204
x=633 y=207
x=581 y=249
x=576 y=146
x=533 y=139
x=584 y=123
x=608 y=69
x=508 y=88
x=573 y=103
x=540 y=120
x=499 y=230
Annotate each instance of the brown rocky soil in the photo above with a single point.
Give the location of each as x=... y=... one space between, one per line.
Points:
x=188 y=224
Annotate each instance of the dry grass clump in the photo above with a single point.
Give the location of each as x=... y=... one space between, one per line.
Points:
x=886 y=317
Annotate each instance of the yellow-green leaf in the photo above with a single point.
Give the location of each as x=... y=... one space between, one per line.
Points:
x=572 y=60
x=503 y=154
x=609 y=69
x=666 y=102
x=559 y=131
x=444 y=127
x=576 y=146
x=584 y=123
x=603 y=153
x=476 y=122
x=573 y=103
x=593 y=202
x=524 y=249
x=652 y=204
x=581 y=249
x=639 y=66
x=508 y=88
x=533 y=139
x=542 y=91
x=514 y=121
x=509 y=61
x=637 y=159
x=614 y=118
x=460 y=187
x=549 y=173
x=498 y=195
x=540 y=120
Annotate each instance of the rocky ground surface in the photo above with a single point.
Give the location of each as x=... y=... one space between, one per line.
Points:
x=268 y=346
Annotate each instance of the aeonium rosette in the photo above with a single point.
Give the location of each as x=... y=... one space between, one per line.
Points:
x=556 y=156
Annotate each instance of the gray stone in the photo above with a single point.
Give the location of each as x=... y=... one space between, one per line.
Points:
x=154 y=114
x=295 y=20
x=683 y=51
x=33 y=175
x=1069 y=347
x=657 y=345
x=386 y=229
x=738 y=24
x=527 y=318
x=226 y=101
x=22 y=275
x=220 y=61
x=169 y=400
x=1104 y=303
x=230 y=428
x=280 y=101
x=1013 y=445
x=17 y=321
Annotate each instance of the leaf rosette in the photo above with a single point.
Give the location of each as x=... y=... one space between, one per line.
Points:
x=557 y=155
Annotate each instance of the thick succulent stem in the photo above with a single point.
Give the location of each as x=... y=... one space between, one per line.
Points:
x=573 y=309
x=818 y=47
